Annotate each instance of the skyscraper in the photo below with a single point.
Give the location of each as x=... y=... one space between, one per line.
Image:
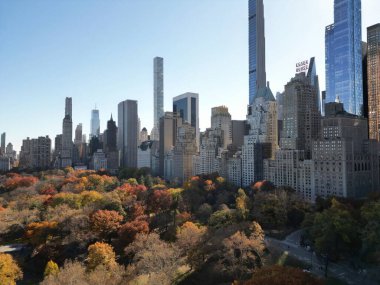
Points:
x=261 y=142
x=257 y=74
x=168 y=136
x=183 y=153
x=2 y=143
x=158 y=93
x=95 y=123
x=67 y=135
x=127 y=133
x=344 y=56
x=373 y=74
x=111 y=144
x=301 y=121
x=221 y=119
x=78 y=134
x=187 y=107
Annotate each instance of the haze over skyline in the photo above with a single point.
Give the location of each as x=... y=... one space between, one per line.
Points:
x=101 y=52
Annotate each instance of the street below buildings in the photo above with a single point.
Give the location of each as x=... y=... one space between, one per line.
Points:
x=290 y=246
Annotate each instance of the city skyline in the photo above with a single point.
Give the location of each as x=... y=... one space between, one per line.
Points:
x=99 y=81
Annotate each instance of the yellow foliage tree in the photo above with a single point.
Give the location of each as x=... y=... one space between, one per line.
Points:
x=101 y=253
x=9 y=270
x=51 y=268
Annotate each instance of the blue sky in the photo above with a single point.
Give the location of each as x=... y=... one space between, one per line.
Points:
x=101 y=52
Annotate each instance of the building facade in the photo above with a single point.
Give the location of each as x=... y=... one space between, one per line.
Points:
x=169 y=124
x=301 y=117
x=36 y=153
x=373 y=74
x=261 y=141
x=184 y=150
x=346 y=163
x=127 y=133
x=221 y=119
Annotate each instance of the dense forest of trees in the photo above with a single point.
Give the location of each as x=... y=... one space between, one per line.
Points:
x=86 y=227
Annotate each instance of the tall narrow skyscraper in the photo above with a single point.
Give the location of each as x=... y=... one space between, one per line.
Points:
x=158 y=94
x=67 y=135
x=95 y=123
x=344 y=56
x=127 y=133
x=257 y=74
x=2 y=143
x=373 y=74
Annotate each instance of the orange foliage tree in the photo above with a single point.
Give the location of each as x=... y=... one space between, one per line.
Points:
x=40 y=232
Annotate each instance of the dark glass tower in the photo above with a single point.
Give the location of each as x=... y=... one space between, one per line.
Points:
x=344 y=76
x=257 y=74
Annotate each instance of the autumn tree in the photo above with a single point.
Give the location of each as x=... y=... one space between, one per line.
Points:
x=75 y=273
x=189 y=237
x=39 y=233
x=159 y=200
x=100 y=253
x=153 y=257
x=281 y=275
x=72 y=273
x=51 y=268
x=129 y=230
x=270 y=209
x=10 y=272
x=242 y=204
x=335 y=232
x=241 y=254
x=105 y=222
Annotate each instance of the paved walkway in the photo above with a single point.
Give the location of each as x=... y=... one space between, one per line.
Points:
x=11 y=248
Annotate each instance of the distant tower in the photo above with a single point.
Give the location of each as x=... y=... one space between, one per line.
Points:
x=95 y=123
x=111 y=135
x=111 y=146
x=343 y=44
x=158 y=93
x=78 y=134
x=257 y=74
x=187 y=107
x=127 y=133
x=67 y=136
x=2 y=143
x=69 y=107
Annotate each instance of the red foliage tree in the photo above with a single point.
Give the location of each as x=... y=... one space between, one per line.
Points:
x=281 y=275
x=127 y=232
x=105 y=222
x=159 y=201
x=20 y=181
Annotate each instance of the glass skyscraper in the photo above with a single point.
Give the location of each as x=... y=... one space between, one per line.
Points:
x=257 y=75
x=187 y=107
x=95 y=123
x=343 y=47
